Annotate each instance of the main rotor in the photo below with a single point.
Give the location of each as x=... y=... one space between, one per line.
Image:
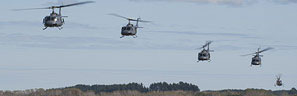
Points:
x=56 y=7
x=278 y=77
x=206 y=45
x=129 y=19
x=259 y=51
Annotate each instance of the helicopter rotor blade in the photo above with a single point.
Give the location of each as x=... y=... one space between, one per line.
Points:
x=53 y=7
x=259 y=51
x=248 y=54
x=75 y=4
x=122 y=17
x=279 y=75
x=31 y=9
x=62 y=16
x=130 y=19
x=265 y=50
x=144 y=21
x=207 y=44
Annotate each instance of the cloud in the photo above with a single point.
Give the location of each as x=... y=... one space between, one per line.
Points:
x=18 y=23
x=227 y=2
x=57 y=42
x=224 y=2
x=39 y=24
x=208 y=34
x=80 y=42
x=284 y=1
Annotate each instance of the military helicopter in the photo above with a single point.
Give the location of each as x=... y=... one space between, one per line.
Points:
x=256 y=60
x=278 y=81
x=204 y=55
x=55 y=19
x=130 y=29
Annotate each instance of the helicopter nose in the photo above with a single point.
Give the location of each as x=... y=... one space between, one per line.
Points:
x=50 y=23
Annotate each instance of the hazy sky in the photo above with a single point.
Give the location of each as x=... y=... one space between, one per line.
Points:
x=89 y=51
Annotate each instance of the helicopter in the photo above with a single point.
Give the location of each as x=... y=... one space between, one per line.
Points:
x=204 y=55
x=55 y=19
x=278 y=81
x=256 y=60
x=130 y=29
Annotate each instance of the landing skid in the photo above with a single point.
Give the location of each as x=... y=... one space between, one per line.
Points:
x=202 y=60
x=60 y=28
x=256 y=65
x=279 y=86
x=134 y=36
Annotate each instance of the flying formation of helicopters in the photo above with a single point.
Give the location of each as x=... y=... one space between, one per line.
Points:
x=57 y=20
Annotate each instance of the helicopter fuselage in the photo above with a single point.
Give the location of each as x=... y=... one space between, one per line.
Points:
x=54 y=20
x=203 y=55
x=129 y=30
x=256 y=60
x=279 y=83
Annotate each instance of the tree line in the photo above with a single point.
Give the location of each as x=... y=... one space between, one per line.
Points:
x=136 y=89
x=160 y=86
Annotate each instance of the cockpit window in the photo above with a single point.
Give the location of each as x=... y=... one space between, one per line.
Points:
x=47 y=18
x=54 y=18
x=51 y=18
x=128 y=28
x=256 y=60
x=204 y=54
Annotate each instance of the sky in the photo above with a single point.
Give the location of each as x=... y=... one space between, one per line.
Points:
x=89 y=49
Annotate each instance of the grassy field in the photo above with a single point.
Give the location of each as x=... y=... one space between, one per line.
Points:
x=77 y=92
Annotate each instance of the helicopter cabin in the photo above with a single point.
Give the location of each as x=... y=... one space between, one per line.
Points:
x=52 y=21
x=50 y=18
x=203 y=56
x=279 y=83
x=128 y=30
x=256 y=61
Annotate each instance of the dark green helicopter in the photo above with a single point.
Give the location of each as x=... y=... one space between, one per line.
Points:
x=278 y=81
x=256 y=60
x=55 y=19
x=130 y=29
x=204 y=55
